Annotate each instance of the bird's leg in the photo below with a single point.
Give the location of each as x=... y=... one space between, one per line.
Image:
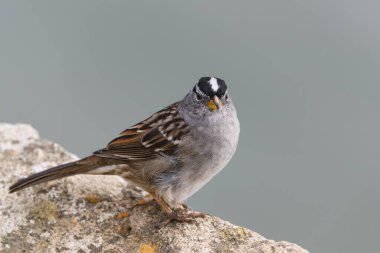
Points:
x=164 y=206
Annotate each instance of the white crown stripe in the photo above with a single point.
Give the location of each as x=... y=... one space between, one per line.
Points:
x=214 y=84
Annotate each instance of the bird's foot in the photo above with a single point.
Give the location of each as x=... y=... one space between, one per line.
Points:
x=181 y=215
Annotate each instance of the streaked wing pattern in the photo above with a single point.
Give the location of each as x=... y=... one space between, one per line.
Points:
x=160 y=133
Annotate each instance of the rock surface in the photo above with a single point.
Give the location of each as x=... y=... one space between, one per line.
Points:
x=94 y=213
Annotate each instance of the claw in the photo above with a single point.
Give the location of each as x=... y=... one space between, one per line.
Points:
x=181 y=216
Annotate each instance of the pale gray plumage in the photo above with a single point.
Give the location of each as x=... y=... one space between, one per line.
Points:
x=172 y=154
x=212 y=141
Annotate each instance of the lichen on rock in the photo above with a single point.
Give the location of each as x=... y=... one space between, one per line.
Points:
x=97 y=213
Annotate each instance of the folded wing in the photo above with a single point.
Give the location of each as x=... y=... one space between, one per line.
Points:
x=159 y=134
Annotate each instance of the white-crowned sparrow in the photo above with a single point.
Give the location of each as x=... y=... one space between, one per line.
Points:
x=171 y=154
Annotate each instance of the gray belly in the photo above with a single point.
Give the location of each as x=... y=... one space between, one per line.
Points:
x=204 y=160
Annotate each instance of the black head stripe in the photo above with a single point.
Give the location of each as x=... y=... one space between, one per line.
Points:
x=212 y=86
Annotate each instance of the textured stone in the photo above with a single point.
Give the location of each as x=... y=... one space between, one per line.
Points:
x=94 y=213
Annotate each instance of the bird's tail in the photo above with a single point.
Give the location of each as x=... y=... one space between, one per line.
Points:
x=64 y=170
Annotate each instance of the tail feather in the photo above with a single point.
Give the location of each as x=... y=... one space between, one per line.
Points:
x=60 y=171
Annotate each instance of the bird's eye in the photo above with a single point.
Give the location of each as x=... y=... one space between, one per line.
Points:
x=226 y=97
x=198 y=97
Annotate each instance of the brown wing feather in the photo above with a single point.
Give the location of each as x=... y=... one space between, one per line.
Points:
x=160 y=133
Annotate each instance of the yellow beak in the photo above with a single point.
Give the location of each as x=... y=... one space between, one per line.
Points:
x=215 y=104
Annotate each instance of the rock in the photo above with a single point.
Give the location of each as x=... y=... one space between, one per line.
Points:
x=94 y=213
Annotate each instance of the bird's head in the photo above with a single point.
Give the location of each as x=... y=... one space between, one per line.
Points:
x=210 y=93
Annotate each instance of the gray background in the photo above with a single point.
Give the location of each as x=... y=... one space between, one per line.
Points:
x=304 y=76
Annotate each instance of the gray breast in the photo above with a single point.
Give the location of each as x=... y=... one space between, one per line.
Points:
x=208 y=149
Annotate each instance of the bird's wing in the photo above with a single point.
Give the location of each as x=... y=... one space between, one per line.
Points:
x=159 y=134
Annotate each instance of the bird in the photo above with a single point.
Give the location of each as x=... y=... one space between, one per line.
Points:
x=171 y=154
